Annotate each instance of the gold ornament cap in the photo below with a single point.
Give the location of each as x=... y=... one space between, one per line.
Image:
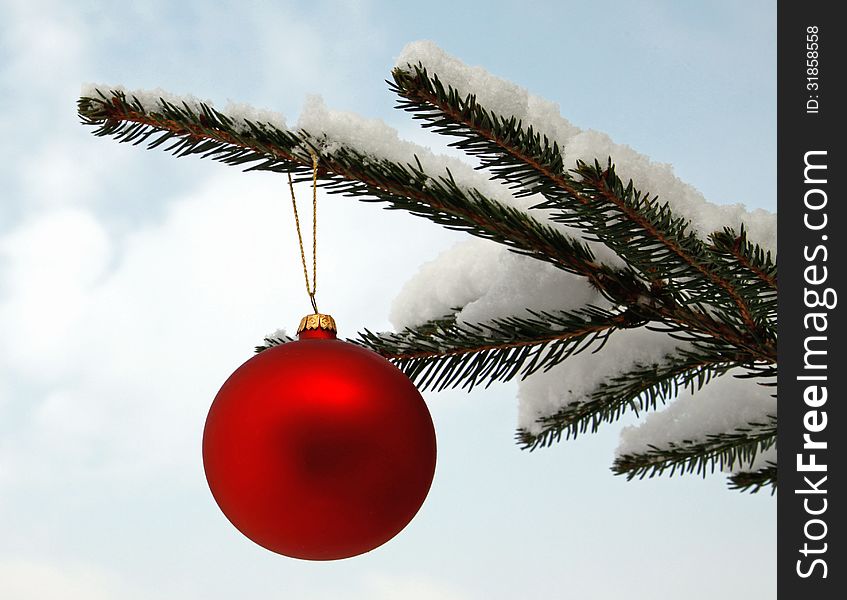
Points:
x=315 y=322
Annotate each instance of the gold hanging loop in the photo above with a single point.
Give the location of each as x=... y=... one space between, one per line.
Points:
x=313 y=287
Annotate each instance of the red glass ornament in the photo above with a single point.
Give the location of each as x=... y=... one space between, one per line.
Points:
x=319 y=449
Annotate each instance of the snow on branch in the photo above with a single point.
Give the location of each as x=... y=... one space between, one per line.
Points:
x=507 y=99
x=486 y=281
x=453 y=200
x=379 y=141
x=575 y=380
x=725 y=404
x=155 y=100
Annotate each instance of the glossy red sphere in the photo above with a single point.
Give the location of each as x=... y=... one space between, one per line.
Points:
x=319 y=449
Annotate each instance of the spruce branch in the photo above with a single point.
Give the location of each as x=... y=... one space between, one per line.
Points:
x=529 y=163
x=274 y=340
x=212 y=134
x=659 y=246
x=716 y=451
x=643 y=387
x=754 y=272
x=444 y=353
x=689 y=324
x=753 y=481
x=750 y=257
x=438 y=197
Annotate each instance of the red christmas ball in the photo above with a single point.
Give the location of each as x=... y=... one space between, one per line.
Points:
x=319 y=449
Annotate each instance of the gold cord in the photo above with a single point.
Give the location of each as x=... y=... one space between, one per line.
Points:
x=310 y=289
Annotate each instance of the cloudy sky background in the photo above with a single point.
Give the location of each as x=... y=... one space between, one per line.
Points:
x=133 y=283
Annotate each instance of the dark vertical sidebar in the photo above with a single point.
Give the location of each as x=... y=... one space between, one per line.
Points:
x=812 y=301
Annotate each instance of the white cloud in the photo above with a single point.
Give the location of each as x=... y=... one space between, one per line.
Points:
x=121 y=343
x=392 y=587
x=128 y=359
x=49 y=263
x=50 y=164
x=66 y=170
x=47 y=42
x=312 y=53
x=31 y=580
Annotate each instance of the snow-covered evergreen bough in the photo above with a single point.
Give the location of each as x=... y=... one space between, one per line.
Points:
x=595 y=276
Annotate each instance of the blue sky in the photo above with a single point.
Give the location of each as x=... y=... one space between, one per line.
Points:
x=132 y=284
